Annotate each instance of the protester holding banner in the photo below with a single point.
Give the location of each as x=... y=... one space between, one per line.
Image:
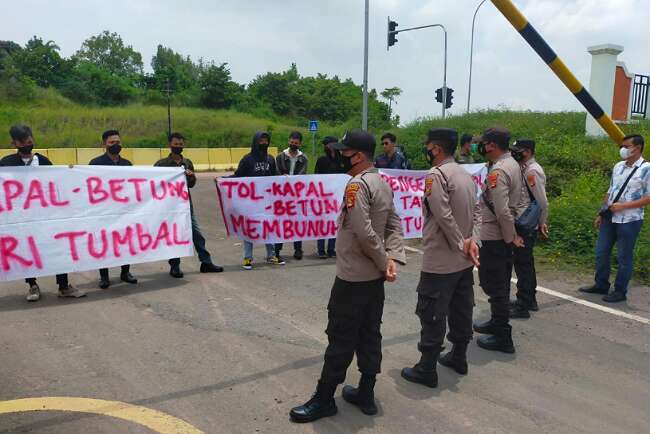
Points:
x=292 y=162
x=23 y=139
x=254 y=164
x=370 y=242
x=450 y=241
x=503 y=200
x=328 y=163
x=111 y=157
x=524 y=260
x=176 y=144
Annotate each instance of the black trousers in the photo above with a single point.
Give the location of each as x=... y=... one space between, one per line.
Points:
x=524 y=263
x=103 y=272
x=297 y=247
x=355 y=311
x=61 y=280
x=494 y=274
x=442 y=298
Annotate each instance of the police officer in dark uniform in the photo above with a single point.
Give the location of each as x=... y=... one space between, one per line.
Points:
x=504 y=199
x=113 y=146
x=368 y=244
x=450 y=238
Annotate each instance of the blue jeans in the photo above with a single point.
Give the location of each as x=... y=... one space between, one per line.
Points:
x=331 y=246
x=199 y=245
x=248 y=250
x=624 y=235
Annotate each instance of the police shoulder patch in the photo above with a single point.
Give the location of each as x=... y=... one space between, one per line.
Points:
x=531 y=179
x=492 y=179
x=351 y=194
x=428 y=184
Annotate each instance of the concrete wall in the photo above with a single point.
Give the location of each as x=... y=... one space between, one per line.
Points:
x=601 y=82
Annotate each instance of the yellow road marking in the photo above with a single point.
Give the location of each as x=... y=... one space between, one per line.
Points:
x=152 y=419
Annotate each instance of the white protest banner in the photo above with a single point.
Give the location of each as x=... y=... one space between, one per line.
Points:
x=408 y=190
x=277 y=209
x=57 y=219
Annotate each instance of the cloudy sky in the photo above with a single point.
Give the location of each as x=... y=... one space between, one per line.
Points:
x=255 y=36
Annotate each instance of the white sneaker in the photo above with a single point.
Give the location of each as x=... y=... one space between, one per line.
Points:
x=34 y=293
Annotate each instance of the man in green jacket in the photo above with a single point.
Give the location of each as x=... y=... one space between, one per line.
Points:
x=175 y=159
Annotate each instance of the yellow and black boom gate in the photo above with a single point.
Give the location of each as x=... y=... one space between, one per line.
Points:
x=537 y=43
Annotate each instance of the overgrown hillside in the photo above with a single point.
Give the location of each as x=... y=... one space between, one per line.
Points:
x=578 y=171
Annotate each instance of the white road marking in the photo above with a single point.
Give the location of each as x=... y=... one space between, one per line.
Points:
x=572 y=299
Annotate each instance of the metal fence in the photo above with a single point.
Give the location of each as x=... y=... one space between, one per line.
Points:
x=640 y=95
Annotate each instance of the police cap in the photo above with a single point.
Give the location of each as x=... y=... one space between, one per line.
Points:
x=358 y=140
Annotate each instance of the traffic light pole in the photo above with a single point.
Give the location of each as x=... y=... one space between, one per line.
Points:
x=444 y=80
x=364 y=110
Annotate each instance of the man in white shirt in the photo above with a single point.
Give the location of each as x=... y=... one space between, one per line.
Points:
x=620 y=220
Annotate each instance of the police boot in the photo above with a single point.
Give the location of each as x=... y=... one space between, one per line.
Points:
x=320 y=405
x=363 y=396
x=456 y=359
x=486 y=328
x=500 y=341
x=518 y=310
x=424 y=372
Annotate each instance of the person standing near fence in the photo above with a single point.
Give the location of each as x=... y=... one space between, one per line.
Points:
x=328 y=163
x=370 y=242
x=23 y=140
x=113 y=146
x=292 y=161
x=523 y=151
x=620 y=219
x=176 y=144
x=258 y=163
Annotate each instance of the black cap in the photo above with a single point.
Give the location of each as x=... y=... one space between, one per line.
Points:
x=524 y=144
x=359 y=140
x=447 y=135
x=498 y=135
x=329 y=139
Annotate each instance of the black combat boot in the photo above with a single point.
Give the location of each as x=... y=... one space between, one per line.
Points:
x=424 y=372
x=456 y=359
x=320 y=405
x=500 y=341
x=486 y=328
x=363 y=396
x=518 y=310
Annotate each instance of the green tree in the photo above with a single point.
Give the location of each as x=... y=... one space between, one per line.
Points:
x=108 y=52
x=390 y=94
x=217 y=88
x=41 y=62
x=169 y=66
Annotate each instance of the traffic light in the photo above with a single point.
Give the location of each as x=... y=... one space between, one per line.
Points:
x=439 y=95
x=392 y=25
x=450 y=96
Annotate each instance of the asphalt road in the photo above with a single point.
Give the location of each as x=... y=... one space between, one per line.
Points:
x=234 y=352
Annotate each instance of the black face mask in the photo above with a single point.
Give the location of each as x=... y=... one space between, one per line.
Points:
x=114 y=149
x=293 y=148
x=176 y=150
x=481 y=149
x=263 y=149
x=428 y=155
x=517 y=155
x=347 y=162
x=26 y=150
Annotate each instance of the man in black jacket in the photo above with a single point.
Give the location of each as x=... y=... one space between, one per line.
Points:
x=328 y=163
x=113 y=146
x=292 y=162
x=258 y=163
x=22 y=139
x=175 y=159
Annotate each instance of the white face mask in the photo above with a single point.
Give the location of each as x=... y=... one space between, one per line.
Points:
x=624 y=153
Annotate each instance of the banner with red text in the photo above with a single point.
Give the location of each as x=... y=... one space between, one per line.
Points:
x=280 y=209
x=59 y=219
x=277 y=209
x=408 y=190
